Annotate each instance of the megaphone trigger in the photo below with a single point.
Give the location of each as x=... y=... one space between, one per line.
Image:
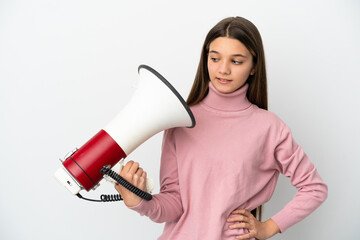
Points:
x=116 y=168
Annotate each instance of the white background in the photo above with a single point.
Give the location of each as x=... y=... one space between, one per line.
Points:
x=67 y=67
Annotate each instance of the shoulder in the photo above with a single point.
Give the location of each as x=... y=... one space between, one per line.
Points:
x=196 y=108
x=268 y=118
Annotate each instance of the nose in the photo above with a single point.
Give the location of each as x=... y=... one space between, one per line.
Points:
x=224 y=68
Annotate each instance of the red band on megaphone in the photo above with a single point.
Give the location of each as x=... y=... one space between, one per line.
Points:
x=85 y=164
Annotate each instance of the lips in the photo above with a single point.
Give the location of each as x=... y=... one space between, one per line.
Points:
x=223 y=80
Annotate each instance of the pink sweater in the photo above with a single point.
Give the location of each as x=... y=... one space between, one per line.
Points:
x=231 y=159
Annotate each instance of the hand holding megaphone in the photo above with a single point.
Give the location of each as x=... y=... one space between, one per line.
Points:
x=136 y=176
x=149 y=187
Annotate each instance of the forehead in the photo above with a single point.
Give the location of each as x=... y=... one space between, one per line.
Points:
x=228 y=46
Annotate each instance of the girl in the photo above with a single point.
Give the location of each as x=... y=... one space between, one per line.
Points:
x=214 y=174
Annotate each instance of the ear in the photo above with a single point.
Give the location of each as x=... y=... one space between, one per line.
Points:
x=253 y=70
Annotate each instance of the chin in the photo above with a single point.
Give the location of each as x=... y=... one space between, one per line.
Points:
x=224 y=89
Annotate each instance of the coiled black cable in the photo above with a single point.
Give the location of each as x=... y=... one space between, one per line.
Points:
x=104 y=198
x=111 y=197
x=117 y=197
x=107 y=171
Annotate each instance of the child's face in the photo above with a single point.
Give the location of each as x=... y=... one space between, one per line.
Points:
x=230 y=63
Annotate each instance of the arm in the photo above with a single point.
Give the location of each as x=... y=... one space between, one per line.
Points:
x=292 y=162
x=312 y=191
x=165 y=206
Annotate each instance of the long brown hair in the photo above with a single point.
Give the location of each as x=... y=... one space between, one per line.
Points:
x=246 y=32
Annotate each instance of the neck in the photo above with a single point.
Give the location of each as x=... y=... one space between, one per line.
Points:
x=229 y=102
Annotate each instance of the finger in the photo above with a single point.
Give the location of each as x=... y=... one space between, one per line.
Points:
x=139 y=172
x=245 y=236
x=142 y=181
x=239 y=218
x=242 y=211
x=240 y=225
x=137 y=176
x=143 y=177
x=134 y=167
x=127 y=166
x=118 y=188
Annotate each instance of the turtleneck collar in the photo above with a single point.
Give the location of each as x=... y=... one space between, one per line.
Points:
x=228 y=102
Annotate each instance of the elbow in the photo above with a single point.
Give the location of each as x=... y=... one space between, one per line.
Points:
x=316 y=194
x=324 y=192
x=321 y=193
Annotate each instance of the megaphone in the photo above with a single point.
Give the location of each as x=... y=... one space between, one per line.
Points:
x=155 y=106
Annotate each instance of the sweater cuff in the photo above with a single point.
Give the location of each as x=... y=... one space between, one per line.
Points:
x=141 y=207
x=137 y=206
x=284 y=220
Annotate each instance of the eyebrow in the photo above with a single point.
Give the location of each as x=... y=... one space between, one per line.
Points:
x=234 y=55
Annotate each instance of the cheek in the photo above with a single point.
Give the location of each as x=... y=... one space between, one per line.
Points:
x=241 y=74
x=211 y=69
x=244 y=73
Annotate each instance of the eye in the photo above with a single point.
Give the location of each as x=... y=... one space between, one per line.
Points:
x=237 y=62
x=214 y=59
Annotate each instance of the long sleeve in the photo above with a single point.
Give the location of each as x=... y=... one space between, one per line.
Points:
x=165 y=206
x=312 y=191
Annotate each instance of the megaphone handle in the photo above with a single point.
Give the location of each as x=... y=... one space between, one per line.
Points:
x=107 y=171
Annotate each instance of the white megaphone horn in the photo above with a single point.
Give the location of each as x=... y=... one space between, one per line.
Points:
x=154 y=106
